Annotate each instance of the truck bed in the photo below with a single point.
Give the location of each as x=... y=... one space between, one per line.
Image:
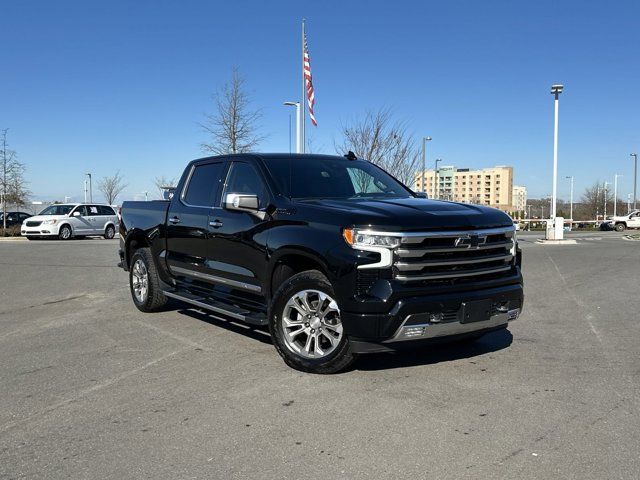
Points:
x=143 y=215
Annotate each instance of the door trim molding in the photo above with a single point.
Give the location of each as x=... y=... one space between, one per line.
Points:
x=213 y=278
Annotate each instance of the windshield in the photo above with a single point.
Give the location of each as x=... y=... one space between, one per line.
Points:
x=333 y=178
x=57 y=210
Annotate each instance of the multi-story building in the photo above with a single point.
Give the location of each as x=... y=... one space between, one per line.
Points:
x=519 y=198
x=489 y=186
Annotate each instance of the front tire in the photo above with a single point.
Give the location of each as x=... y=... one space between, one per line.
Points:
x=109 y=232
x=305 y=324
x=64 y=233
x=144 y=282
x=619 y=227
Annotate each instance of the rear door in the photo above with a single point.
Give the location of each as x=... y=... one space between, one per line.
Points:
x=95 y=219
x=188 y=219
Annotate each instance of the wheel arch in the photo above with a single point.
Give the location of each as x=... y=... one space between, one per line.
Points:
x=289 y=261
x=135 y=239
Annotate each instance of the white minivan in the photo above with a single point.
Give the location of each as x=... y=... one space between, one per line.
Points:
x=72 y=220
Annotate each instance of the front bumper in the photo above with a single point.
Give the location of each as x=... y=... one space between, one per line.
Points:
x=434 y=317
x=39 y=231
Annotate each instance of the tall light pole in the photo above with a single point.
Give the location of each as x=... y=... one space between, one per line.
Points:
x=298 y=125
x=556 y=90
x=90 y=188
x=604 y=215
x=635 y=179
x=424 y=162
x=628 y=203
x=571 y=207
x=615 y=194
x=436 y=177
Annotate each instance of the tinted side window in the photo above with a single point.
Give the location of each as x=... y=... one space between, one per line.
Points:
x=103 y=210
x=82 y=209
x=203 y=185
x=93 y=210
x=243 y=178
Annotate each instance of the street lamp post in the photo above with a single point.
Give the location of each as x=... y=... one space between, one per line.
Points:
x=299 y=140
x=571 y=204
x=436 y=176
x=556 y=90
x=635 y=179
x=604 y=215
x=424 y=162
x=90 y=188
x=615 y=194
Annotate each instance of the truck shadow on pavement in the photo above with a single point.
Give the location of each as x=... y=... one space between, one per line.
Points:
x=436 y=353
x=425 y=355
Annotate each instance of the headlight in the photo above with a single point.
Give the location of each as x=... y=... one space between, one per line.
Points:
x=49 y=222
x=361 y=238
x=372 y=242
x=513 y=247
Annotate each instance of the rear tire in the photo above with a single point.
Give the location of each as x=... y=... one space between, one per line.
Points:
x=64 y=233
x=305 y=325
x=144 y=282
x=109 y=232
x=619 y=227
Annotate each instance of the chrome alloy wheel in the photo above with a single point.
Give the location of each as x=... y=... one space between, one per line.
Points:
x=65 y=233
x=311 y=324
x=140 y=280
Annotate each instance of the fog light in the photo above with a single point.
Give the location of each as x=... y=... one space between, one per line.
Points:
x=513 y=314
x=411 y=332
x=436 y=317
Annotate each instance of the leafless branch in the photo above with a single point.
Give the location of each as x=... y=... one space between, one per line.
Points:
x=233 y=127
x=111 y=187
x=382 y=140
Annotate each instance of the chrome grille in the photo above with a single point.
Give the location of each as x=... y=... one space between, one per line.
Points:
x=33 y=224
x=438 y=256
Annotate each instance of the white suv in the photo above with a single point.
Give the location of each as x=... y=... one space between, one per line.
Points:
x=72 y=220
x=632 y=220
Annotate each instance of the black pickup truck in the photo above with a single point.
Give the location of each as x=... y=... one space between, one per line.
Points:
x=333 y=254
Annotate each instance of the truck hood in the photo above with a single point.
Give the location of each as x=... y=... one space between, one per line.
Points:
x=412 y=213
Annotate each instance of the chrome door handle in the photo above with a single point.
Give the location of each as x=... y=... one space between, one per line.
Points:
x=215 y=224
x=174 y=220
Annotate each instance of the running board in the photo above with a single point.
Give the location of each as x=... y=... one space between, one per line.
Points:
x=253 y=318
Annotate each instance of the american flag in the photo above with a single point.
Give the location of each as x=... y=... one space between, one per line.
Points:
x=308 y=82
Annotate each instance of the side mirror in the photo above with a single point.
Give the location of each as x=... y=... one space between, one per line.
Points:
x=421 y=195
x=242 y=202
x=76 y=214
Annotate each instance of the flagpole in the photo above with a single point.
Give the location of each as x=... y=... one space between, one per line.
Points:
x=303 y=100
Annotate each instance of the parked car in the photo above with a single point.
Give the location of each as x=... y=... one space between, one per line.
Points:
x=14 y=218
x=333 y=254
x=606 y=226
x=631 y=220
x=65 y=221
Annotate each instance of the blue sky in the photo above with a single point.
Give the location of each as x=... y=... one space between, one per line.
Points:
x=105 y=86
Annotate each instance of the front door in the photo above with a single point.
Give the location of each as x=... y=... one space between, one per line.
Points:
x=188 y=220
x=80 y=222
x=236 y=247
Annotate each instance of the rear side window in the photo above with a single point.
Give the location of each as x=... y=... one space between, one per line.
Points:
x=104 y=210
x=203 y=185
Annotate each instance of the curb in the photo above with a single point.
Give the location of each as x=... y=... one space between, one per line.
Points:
x=570 y=241
x=13 y=239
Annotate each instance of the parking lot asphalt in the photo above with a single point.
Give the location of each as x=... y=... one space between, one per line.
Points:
x=93 y=388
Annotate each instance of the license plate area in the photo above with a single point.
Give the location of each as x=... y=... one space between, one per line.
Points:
x=475 y=311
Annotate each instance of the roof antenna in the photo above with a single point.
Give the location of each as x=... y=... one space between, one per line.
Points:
x=351 y=156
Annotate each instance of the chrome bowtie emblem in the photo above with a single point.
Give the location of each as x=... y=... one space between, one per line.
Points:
x=470 y=241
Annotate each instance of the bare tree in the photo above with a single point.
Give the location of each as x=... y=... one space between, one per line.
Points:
x=593 y=201
x=12 y=183
x=234 y=125
x=382 y=140
x=111 y=187
x=162 y=183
